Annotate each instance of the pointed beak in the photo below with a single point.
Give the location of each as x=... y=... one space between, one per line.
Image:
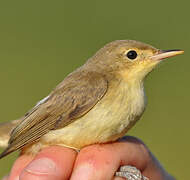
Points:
x=162 y=54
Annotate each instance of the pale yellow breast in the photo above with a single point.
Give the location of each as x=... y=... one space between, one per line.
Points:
x=109 y=119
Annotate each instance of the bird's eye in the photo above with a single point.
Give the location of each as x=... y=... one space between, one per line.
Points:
x=132 y=54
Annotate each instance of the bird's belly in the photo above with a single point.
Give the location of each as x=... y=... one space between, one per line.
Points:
x=107 y=121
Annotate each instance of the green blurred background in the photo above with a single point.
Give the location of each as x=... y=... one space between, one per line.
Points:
x=41 y=41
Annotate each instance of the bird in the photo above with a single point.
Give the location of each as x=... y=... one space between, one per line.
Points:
x=97 y=103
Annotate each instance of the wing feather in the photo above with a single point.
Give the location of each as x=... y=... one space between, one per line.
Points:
x=70 y=100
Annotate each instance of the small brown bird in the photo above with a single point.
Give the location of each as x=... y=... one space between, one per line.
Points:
x=97 y=103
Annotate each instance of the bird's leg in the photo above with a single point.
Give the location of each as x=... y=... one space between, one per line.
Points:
x=70 y=147
x=130 y=173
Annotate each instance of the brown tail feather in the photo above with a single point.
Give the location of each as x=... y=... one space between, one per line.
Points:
x=5 y=130
x=7 y=151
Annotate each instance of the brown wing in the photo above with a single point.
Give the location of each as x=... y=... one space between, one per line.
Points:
x=72 y=98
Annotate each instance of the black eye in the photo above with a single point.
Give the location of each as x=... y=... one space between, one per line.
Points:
x=131 y=54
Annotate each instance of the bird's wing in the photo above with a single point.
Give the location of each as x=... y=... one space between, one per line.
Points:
x=71 y=99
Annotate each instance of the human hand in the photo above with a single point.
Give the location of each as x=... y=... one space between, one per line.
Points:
x=93 y=162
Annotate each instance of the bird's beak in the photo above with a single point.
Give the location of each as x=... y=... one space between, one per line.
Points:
x=162 y=54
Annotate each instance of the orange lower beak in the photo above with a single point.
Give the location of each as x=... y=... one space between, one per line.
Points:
x=162 y=54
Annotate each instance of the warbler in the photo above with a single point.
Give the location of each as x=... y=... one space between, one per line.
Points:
x=97 y=103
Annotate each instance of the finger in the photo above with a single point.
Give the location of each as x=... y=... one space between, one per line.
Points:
x=102 y=161
x=51 y=163
x=118 y=178
x=151 y=167
x=18 y=166
x=5 y=178
x=54 y=162
x=154 y=170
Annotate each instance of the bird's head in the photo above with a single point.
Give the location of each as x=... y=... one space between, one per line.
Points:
x=131 y=59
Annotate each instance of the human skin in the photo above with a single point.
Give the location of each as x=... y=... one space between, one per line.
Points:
x=93 y=162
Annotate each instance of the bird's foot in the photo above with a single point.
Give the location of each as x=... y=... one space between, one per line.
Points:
x=130 y=173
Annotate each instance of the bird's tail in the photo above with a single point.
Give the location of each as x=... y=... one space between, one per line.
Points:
x=5 y=130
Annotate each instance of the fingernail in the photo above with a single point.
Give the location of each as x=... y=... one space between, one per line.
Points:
x=42 y=166
x=82 y=172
